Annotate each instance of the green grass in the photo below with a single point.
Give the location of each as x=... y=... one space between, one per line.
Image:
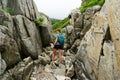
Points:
x=61 y=24
x=39 y=22
x=89 y=3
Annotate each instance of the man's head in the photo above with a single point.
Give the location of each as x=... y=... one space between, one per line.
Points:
x=58 y=31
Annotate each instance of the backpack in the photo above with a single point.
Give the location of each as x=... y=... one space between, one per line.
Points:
x=61 y=39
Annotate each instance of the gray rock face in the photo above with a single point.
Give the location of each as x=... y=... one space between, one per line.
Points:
x=114 y=22
x=27 y=37
x=3 y=3
x=6 y=20
x=88 y=16
x=21 y=38
x=46 y=30
x=8 y=47
x=23 y=70
x=69 y=35
x=76 y=18
x=24 y=7
x=97 y=57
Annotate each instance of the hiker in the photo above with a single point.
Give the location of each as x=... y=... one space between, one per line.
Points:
x=58 y=45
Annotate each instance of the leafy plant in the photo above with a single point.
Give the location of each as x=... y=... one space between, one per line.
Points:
x=39 y=21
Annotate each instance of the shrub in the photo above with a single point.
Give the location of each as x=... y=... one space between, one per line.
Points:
x=39 y=21
x=89 y=3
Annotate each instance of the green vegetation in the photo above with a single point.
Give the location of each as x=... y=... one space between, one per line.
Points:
x=39 y=22
x=54 y=20
x=89 y=3
x=61 y=24
x=8 y=10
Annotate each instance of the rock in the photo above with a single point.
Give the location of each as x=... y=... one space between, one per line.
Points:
x=6 y=76
x=70 y=71
x=69 y=29
x=98 y=54
x=45 y=76
x=27 y=37
x=91 y=45
x=62 y=78
x=75 y=46
x=6 y=20
x=48 y=68
x=88 y=17
x=3 y=3
x=96 y=8
x=70 y=35
x=106 y=62
x=23 y=70
x=2 y=65
x=114 y=22
x=8 y=47
x=44 y=60
x=24 y=7
x=76 y=18
x=72 y=31
x=46 y=30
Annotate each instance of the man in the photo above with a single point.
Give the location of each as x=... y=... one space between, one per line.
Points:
x=58 y=45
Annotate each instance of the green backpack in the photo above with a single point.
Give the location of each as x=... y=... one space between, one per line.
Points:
x=61 y=39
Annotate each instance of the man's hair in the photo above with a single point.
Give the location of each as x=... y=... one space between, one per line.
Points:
x=58 y=30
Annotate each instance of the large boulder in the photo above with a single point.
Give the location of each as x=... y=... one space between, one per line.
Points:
x=114 y=25
x=6 y=20
x=23 y=69
x=23 y=7
x=88 y=17
x=98 y=54
x=69 y=36
x=76 y=18
x=27 y=36
x=8 y=47
x=46 y=30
